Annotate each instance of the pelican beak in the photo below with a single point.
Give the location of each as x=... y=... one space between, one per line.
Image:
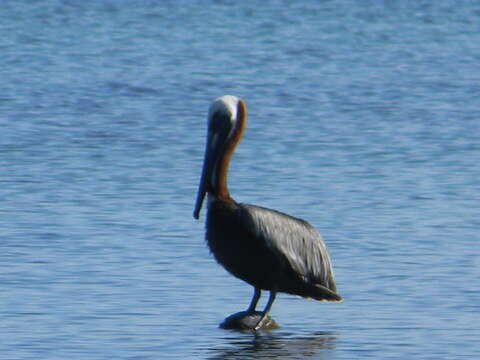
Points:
x=207 y=171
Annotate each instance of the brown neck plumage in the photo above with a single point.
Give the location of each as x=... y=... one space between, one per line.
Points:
x=222 y=192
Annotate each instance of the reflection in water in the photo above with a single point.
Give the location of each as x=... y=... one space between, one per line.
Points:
x=277 y=346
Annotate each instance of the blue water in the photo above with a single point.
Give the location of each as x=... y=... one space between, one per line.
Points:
x=363 y=120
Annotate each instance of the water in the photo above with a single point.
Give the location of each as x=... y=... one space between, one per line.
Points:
x=363 y=120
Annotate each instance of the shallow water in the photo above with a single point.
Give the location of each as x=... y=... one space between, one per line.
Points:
x=363 y=121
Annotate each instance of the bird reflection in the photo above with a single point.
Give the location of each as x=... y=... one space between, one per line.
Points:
x=275 y=346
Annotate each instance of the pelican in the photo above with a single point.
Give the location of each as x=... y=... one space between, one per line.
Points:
x=266 y=248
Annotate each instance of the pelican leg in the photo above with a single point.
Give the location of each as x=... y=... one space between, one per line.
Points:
x=253 y=303
x=271 y=299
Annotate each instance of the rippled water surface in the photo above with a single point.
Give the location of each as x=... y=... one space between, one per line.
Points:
x=363 y=120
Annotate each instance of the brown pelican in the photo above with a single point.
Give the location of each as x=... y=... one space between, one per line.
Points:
x=266 y=248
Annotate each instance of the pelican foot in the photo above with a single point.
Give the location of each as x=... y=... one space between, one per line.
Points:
x=245 y=320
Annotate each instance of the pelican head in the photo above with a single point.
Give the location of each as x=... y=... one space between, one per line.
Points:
x=226 y=121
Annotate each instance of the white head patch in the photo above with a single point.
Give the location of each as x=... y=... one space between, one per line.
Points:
x=226 y=104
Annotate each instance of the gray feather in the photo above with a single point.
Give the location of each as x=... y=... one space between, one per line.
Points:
x=296 y=241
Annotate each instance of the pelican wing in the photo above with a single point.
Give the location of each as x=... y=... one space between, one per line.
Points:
x=294 y=240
